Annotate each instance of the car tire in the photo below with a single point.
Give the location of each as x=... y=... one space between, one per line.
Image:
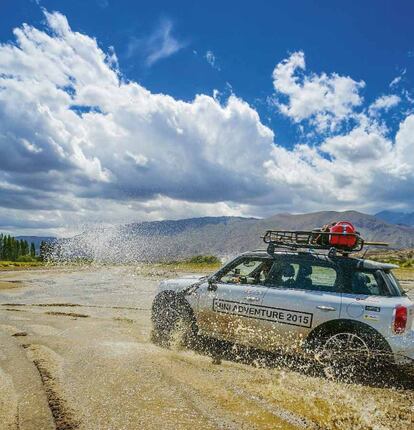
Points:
x=350 y=353
x=173 y=321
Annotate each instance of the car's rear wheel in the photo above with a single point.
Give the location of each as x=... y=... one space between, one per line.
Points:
x=350 y=354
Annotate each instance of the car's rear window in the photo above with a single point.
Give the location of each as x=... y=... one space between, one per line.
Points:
x=394 y=284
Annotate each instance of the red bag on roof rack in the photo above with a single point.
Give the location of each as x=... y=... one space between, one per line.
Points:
x=346 y=238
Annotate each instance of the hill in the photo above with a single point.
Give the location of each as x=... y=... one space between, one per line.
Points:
x=392 y=217
x=222 y=236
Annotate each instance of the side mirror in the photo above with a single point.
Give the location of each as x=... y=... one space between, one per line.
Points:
x=212 y=285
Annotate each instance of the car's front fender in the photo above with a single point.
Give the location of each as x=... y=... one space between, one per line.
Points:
x=178 y=284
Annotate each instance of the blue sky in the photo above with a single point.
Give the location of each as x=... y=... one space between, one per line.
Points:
x=370 y=41
x=330 y=83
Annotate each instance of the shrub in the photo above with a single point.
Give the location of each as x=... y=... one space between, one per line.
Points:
x=204 y=259
x=407 y=263
x=25 y=259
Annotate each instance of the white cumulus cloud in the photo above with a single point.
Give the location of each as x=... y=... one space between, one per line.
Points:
x=78 y=143
x=324 y=100
x=384 y=103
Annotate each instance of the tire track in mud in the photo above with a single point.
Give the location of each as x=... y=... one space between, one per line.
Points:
x=238 y=404
x=63 y=415
x=71 y=305
x=283 y=413
x=208 y=408
x=346 y=415
x=8 y=402
x=22 y=393
x=276 y=410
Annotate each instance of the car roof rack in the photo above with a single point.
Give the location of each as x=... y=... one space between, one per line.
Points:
x=316 y=239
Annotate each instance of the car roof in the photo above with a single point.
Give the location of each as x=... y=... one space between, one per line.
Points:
x=353 y=262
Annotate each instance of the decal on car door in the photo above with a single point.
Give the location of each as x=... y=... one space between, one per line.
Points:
x=278 y=315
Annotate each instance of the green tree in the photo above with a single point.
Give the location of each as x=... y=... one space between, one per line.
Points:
x=4 y=248
x=25 y=247
x=43 y=250
x=17 y=249
x=9 y=248
x=33 y=250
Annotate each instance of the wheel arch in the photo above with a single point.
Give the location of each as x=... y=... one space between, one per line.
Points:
x=338 y=325
x=176 y=298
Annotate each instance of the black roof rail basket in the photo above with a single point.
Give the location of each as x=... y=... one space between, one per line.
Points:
x=314 y=239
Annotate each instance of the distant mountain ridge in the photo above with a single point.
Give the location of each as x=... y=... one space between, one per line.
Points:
x=170 y=227
x=393 y=217
x=221 y=236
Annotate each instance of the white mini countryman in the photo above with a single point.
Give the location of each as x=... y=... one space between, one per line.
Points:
x=296 y=297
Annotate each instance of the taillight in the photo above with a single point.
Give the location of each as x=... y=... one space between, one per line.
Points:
x=400 y=319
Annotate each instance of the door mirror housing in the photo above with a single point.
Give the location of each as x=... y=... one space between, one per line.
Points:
x=212 y=284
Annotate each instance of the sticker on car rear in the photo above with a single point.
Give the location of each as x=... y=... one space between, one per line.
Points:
x=373 y=308
x=267 y=313
x=371 y=317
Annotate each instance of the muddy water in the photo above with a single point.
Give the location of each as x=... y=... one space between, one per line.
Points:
x=76 y=354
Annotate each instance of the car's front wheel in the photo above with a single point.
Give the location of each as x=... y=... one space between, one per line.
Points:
x=172 y=320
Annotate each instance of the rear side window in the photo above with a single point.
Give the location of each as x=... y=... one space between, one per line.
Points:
x=323 y=278
x=369 y=283
x=304 y=275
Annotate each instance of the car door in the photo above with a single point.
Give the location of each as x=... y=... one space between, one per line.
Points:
x=226 y=303
x=302 y=294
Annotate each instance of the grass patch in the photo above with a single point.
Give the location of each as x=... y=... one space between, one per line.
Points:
x=67 y=314
x=404 y=273
x=401 y=257
x=201 y=263
x=196 y=266
x=404 y=258
x=20 y=264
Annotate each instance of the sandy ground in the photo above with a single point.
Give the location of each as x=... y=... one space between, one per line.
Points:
x=76 y=354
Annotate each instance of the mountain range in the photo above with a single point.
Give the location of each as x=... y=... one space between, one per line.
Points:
x=392 y=217
x=221 y=236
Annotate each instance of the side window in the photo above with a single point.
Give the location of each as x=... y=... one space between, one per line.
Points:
x=322 y=278
x=302 y=276
x=368 y=283
x=248 y=271
x=283 y=274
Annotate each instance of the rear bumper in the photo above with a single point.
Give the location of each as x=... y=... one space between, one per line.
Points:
x=403 y=348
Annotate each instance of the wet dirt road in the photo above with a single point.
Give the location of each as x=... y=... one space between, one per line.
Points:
x=75 y=353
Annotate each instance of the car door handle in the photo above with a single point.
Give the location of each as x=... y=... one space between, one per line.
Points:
x=252 y=299
x=326 y=308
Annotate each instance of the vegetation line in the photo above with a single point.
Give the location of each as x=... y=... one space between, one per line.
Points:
x=13 y=249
